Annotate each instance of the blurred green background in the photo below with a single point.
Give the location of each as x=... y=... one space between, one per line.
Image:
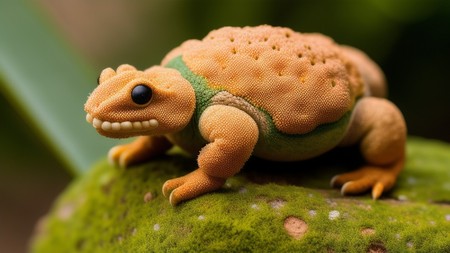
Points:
x=51 y=52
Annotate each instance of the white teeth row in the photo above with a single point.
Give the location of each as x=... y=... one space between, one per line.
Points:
x=126 y=125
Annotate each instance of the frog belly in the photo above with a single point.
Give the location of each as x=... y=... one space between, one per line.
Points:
x=274 y=145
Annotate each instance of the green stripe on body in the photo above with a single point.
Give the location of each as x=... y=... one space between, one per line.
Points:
x=279 y=146
x=203 y=93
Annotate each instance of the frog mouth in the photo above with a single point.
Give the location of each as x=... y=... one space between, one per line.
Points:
x=108 y=126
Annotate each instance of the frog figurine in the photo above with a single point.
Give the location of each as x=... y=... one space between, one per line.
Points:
x=264 y=91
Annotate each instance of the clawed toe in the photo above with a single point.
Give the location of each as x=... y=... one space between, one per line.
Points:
x=142 y=149
x=355 y=187
x=118 y=155
x=377 y=190
x=364 y=179
x=190 y=186
x=170 y=185
x=125 y=155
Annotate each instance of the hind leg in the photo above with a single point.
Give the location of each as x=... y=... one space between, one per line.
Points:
x=380 y=130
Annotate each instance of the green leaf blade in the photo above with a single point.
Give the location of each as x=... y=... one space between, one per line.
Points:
x=48 y=83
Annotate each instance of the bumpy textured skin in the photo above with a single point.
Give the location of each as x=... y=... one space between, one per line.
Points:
x=301 y=80
x=263 y=91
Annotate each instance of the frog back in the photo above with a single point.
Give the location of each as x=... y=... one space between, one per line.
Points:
x=301 y=81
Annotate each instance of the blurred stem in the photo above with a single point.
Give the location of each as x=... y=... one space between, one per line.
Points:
x=47 y=83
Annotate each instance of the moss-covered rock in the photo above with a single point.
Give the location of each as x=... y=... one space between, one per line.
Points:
x=269 y=207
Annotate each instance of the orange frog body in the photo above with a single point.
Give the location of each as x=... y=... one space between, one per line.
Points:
x=264 y=91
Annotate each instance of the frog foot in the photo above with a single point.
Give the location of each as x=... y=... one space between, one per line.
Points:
x=379 y=179
x=142 y=149
x=190 y=186
x=122 y=155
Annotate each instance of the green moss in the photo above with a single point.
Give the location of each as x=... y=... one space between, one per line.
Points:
x=105 y=211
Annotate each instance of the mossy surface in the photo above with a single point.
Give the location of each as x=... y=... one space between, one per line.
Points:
x=112 y=210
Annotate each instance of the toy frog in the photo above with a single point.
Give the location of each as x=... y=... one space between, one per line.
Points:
x=263 y=91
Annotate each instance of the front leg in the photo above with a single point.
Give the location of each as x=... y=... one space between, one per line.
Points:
x=232 y=134
x=140 y=150
x=379 y=128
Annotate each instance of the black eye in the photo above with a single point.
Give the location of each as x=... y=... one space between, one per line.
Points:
x=141 y=94
x=98 y=80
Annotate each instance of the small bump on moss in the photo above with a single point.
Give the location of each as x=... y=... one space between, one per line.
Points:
x=367 y=231
x=377 y=247
x=148 y=197
x=295 y=227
